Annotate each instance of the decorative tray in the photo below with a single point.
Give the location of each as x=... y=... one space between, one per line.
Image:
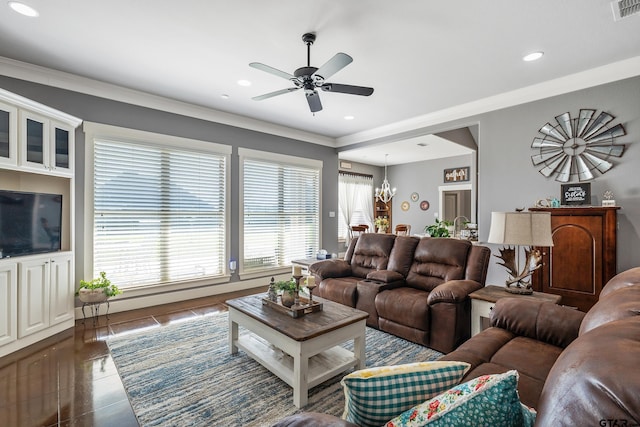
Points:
x=295 y=311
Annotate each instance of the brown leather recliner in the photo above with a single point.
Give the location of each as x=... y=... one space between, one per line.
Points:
x=415 y=288
x=575 y=369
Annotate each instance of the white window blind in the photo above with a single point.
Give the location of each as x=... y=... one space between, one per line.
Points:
x=159 y=213
x=281 y=213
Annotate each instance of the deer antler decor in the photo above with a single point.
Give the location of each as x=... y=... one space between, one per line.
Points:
x=520 y=228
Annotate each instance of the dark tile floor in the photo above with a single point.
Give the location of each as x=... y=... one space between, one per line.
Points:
x=71 y=380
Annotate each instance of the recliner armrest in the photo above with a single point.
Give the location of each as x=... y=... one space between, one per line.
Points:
x=385 y=276
x=540 y=320
x=330 y=268
x=453 y=291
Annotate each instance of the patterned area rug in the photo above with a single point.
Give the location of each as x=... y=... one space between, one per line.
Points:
x=183 y=375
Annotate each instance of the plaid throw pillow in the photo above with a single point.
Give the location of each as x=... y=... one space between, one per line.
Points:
x=374 y=396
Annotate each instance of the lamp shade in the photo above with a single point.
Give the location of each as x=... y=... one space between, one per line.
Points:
x=521 y=228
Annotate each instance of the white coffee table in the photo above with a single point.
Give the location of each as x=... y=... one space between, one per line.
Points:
x=312 y=341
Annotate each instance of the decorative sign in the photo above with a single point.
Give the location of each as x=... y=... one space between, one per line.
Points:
x=457 y=174
x=576 y=194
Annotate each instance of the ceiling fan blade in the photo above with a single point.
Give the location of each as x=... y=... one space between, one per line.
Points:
x=314 y=101
x=271 y=70
x=276 y=93
x=335 y=64
x=352 y=90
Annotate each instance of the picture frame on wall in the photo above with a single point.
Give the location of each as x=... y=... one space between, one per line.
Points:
x=457 y=174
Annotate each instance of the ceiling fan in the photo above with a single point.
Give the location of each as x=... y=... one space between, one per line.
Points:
x=310 y=78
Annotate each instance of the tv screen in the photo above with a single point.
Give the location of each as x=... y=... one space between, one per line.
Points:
x=30 y=223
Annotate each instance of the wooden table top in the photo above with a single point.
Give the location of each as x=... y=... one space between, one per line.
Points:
x=492 y=293
x=333 y=316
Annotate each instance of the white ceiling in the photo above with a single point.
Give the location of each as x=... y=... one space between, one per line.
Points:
x=428 y=61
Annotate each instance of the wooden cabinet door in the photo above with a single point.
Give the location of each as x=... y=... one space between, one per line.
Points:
x=583 y=257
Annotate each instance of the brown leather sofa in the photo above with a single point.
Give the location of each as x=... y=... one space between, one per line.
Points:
x=576 y=369
x=415 y=288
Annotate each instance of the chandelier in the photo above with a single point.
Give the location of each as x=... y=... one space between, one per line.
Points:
x=385 y=193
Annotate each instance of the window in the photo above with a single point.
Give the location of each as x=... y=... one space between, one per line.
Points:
x=280 y=210
x=159 y=209
x=355 y=202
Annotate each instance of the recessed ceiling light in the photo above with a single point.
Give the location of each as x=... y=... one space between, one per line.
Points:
x=224 y=96
x=349 y=117
x=533 y=56
x=23 y=9
x=244 y=82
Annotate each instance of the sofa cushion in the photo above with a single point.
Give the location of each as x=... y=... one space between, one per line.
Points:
x=371 y=253
x=401 y=256
x=626 y=278
x=540 y=320
x=342 y=290
x=375 y=395
x=437 y=260
x=406 y=306
x=490 y=400
x=619 y=304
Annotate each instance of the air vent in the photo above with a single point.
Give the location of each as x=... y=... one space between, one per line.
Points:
x=625 y=8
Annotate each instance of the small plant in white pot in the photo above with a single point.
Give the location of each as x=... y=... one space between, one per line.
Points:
x=99 y=289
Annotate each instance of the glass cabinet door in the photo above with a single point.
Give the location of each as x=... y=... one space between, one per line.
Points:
x=5 y=150
x=8 y=135
x=35 y=141
x=61 y=148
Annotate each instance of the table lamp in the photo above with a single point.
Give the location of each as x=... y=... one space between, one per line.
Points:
x=530 y=229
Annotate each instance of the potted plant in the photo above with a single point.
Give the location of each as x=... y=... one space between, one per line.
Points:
x=439 y=229
x=99 y=289
x=288 y=288
x=382 y=223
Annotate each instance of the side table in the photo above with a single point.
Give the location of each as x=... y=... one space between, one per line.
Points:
x=483 y=300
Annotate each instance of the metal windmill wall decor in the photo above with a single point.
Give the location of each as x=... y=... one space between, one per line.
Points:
x=577 y=148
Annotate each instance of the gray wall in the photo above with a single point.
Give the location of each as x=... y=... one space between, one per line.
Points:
x=508 y=179
x=506 y=176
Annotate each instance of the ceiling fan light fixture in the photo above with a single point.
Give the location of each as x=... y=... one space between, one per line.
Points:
x=533 y=56
x=23 y=9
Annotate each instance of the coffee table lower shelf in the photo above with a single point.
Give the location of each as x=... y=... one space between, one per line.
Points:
x=321 y=367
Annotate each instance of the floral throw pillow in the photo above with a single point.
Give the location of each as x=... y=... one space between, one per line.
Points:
x=489 y=400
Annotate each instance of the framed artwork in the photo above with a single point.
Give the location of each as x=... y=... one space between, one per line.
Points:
x=414 y=196
x=405 y=206
x=576 y=194
x=457 y=174
x=424 y=205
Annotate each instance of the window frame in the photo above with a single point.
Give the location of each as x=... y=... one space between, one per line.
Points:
x=246 y=153
x=98 y=131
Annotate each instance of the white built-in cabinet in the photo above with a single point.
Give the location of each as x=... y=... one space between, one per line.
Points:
x=36 y=291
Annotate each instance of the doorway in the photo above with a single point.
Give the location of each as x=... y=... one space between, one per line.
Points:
x=455 y=201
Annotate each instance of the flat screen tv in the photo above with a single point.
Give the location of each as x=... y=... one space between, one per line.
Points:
x=30 y=223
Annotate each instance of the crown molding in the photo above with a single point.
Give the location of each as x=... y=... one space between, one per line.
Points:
x=585 y=79
x=36 y=107
x=62 y=80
